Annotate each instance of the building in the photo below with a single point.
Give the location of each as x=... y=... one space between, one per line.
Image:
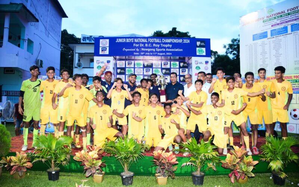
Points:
x=30 y=34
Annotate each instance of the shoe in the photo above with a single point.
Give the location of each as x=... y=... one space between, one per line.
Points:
x=176 y=148
x=225 y=151
x=24 y=148
x=249 y=152
x=230 y=147
x=170 y=148
x=255 y=150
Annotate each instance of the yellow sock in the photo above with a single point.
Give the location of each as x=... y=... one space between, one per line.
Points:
x=56 y=131
x=246 y=140
x=231 y=141
x=72 y=134
x=226 y=141
x=77 y=138
x=267 y=134
x=42 y=129
x=284 y=138
x=84 y=142
x=60 y=133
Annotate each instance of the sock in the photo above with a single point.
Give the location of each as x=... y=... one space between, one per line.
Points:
x=35 y=134
x=77 y=136
x=226 y=141
x=267 y=134
x=56 y=131
x=25 y=135
x=72 y=134
x=84 y=143
x=42 y=129
x=246 y=140
x=284 y=138
x=88 y=139
x=60 y=133
x=231 y=141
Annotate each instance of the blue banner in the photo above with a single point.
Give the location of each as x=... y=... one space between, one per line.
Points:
x=150 y=46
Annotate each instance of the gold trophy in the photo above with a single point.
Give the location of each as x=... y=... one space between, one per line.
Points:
x=161 y=81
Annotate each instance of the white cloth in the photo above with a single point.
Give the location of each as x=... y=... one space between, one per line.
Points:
x=187 y=90
x=206 y=86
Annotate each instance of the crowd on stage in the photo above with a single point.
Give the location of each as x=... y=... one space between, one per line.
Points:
x=109 y=109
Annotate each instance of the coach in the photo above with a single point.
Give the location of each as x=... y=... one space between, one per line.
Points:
x=173 y=88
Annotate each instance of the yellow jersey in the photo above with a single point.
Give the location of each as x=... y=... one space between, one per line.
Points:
x=144 y=96
x=233 y=99
x=153 y=118
x=170 y=128
x=282 y=90
x=181 y=115
x=219 y=86
x=77 y=100
x=269 y=87
x=48 y=90
x=118 y=100
x=251 y=101
x=197 y=98
x=138 y=110
x=216 y=117
x=101 y=117
x=63 y=102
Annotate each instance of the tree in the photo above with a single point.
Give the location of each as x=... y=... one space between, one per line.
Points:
x=230 y=61
x=172 y=33
x=67 y=54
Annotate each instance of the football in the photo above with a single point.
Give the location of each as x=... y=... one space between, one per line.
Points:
x=294 y=114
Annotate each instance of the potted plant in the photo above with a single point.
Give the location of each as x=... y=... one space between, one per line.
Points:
x=17 y=165
x=91 y=160
x=240 y=165
x=126 y=151
x=53 y=152
x=165 y=166
x=201 y=155
x=5 y=145
x=279 y=154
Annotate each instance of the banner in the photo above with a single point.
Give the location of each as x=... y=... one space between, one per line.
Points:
x=270 y=37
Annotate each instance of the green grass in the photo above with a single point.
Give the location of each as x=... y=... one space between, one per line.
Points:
x=38 y=178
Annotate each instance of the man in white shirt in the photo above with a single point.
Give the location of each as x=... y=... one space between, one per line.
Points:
x=206 y=86
x=189 y=87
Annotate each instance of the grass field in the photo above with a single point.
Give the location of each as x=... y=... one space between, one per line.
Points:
x=38 y=178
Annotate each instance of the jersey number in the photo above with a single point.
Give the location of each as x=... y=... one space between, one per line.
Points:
x=51 y=91
x=233 y=102
x=216 y=118
x=248 y=99
x=101 y=117
x=76 y=101
x=155 y=117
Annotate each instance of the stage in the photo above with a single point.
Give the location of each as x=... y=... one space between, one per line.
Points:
x=145 y=166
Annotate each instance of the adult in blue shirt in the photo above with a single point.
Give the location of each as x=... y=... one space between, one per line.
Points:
x=107 y=84
x=131 y=87
x=173 y=88
x=154 y=88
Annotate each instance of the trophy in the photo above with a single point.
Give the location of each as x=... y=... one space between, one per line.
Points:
x=161 y=81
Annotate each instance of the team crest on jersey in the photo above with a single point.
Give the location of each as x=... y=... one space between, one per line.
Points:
x=81 y=96
x=122 y=97
x=158 y=112
x=104 y=111
x=219 y=113
x=236 y=96
x=265 y=86
x=283 y=88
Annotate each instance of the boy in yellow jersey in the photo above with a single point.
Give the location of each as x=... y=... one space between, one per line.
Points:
x=238 y=80
x=153 y=114
x=100 y=119
x=281 y=103
x=232 y=98
x=218 y=85
x=136 y=114
x=62 y=103
x=179 y=109
x=30 y=96
x=264 y=107
x=196 y=101
x=118 y=96
x=250 y=113
x=218 y=126
x=48 y=114
x=78 y=96
x=94 y=88
x=144 y=92
x=171 y=128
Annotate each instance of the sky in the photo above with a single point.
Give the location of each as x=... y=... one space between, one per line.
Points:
x=214 y=19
